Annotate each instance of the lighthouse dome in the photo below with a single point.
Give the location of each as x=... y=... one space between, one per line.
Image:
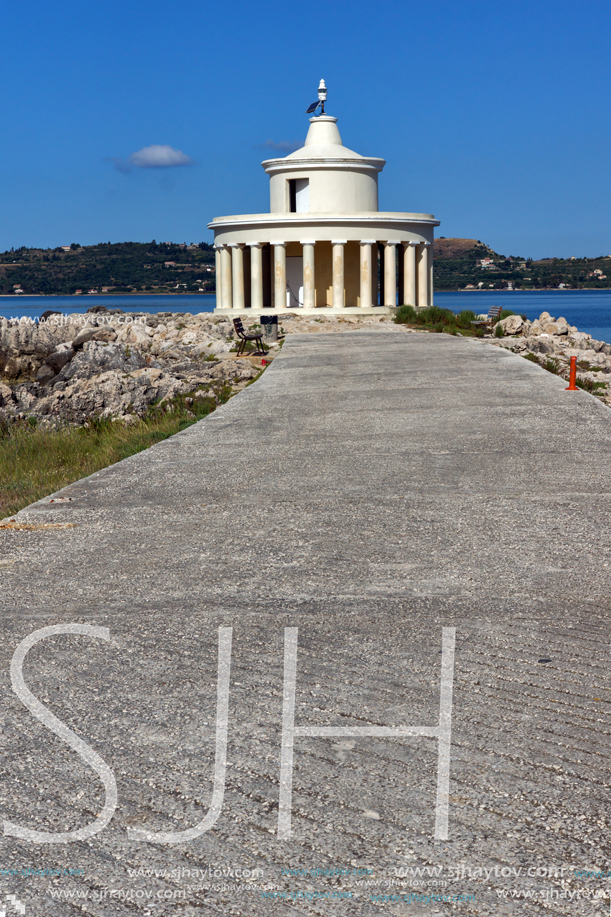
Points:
x=324 y=176
x=323 y=142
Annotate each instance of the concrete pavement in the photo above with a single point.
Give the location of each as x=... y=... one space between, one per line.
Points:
x=370 y=490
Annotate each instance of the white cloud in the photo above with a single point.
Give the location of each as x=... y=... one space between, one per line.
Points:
x=159 y=156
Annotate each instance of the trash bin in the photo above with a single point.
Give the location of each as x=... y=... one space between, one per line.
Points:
x=269 y=326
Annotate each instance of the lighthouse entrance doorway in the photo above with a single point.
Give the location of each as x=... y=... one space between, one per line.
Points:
x=294 y=282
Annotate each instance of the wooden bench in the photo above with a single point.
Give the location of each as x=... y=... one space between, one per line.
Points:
x=493 y=316
x=244 y=338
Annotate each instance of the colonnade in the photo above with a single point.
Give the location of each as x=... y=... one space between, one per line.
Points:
x=415 y=270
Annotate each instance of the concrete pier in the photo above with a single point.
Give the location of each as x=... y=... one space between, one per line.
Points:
x=389 y=495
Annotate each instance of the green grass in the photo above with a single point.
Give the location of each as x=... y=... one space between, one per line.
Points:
x=438 y=320
x=594 y=388
x=249 y=349
x=35 y=462
x=553 y=366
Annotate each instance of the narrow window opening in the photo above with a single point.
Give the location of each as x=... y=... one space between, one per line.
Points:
x=302 y=195
x=299 y=195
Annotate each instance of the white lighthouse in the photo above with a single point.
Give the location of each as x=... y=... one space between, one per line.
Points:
x=320 y=246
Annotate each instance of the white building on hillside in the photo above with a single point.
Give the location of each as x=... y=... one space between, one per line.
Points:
x=324 y=245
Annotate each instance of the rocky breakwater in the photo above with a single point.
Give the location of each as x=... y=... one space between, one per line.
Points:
x=552 y=342
x=69 y=369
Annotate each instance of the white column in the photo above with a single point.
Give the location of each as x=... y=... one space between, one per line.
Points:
x=430 y=276
x=338 y=273
x=374 y=273
x=237 y=275
x=309 y=276
x=366 y=297
x=279 y=275
x=256 y=275
x=390 y=274
x=217 y=276
x=409 y=274
x=226 y=277
x=423 y=274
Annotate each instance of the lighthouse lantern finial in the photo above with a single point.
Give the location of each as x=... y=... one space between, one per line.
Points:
x=322 y=95
x=322 y=98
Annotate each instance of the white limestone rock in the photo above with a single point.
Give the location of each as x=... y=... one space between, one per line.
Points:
x=83 y=336
x=6 y=395
x=138 y=335
x=105 y=335
x=96 y=358
x=513 y=324
x=220 y=347
x=559 y=327
x=59 y=358
x=116 y=368
x=45 y=374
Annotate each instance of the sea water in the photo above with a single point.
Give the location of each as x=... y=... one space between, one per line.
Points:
x=588 y=310
x=34 y=306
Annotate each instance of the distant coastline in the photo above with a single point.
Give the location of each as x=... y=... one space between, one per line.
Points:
x=160 y=269
x=522 y=291
x=89 y=295
x=187 y=295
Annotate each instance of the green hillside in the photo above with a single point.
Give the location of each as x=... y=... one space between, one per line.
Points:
x=151 y=267
x=124 y=267
x=458 y=265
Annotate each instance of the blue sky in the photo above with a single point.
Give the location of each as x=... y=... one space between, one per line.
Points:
x=492 y=116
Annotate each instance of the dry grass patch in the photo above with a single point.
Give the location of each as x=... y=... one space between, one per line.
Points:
x=36 y=462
